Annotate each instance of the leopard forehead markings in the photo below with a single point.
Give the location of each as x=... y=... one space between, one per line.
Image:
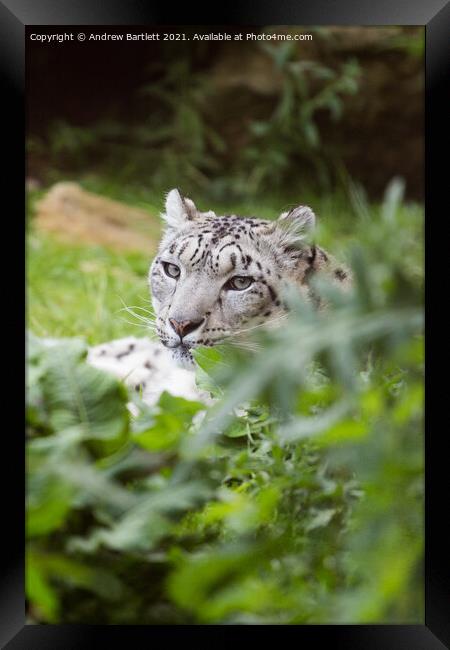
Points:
x=216 y=249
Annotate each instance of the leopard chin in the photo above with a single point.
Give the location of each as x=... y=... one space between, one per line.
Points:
x=183 y=357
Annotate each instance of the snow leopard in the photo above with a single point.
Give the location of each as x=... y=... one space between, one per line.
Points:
x=216 y=277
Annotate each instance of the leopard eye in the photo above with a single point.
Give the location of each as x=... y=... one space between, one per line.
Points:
x=239 y=282
x=171 y=270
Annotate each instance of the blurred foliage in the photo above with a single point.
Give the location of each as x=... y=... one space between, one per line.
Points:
x=296 y=498
x=414 y=46
x=291 y=134
x=178 y=142
x=231 y=119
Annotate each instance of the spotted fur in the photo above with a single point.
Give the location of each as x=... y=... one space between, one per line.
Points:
x=147 y=367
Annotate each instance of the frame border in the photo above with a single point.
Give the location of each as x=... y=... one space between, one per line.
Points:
x=434 y=15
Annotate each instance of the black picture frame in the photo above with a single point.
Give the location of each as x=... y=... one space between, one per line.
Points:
x=15 y=15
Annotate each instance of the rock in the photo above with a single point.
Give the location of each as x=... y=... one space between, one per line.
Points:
x=74 y=214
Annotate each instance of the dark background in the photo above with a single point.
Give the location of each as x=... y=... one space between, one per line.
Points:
x=74 y=89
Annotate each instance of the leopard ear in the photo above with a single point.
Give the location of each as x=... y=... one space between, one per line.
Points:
x=300 y=220
x=295 y=226
x=179 y=209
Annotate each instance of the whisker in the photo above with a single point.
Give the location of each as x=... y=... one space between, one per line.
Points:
x=265 y=324
x=145 y=327
x=147 y=311
x=138 y=316
x=129 y=308
x=246 y=345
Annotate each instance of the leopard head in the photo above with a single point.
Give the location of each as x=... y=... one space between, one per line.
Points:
x=216 y=277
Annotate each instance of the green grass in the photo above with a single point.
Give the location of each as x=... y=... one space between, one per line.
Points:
x=76 y=290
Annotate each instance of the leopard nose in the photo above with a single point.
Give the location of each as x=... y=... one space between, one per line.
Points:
x=184 y=327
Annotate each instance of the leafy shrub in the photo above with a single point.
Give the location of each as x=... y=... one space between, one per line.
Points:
x=296 y=498
x=291 y=136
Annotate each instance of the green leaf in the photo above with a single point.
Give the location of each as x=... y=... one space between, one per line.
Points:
x=146 y=523
x=101 y=582
x=321 y=518
x=343 y=432
x=170 y=421
x=39 y=591
x=49 y=499
x=238 y=429
x=208 y=358
x=45 y=572
x=78 y=395
x=48 y=509
x=311 y=134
